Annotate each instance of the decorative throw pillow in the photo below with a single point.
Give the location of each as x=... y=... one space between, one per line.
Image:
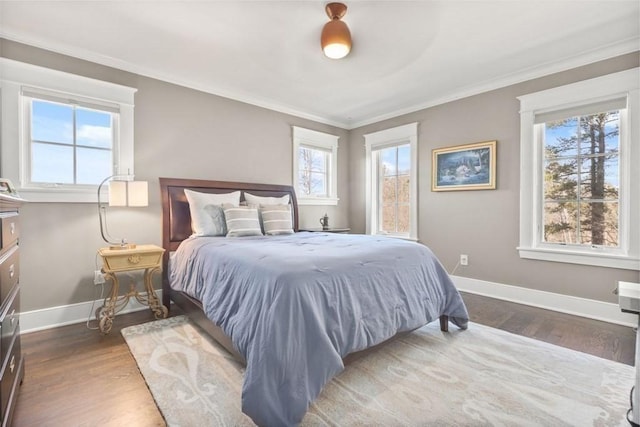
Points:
x=276 y=219
x=242 y=221
x=207 y=217
x=261 y=200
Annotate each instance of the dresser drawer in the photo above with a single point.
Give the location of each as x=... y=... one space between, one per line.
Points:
x=10 y=229
x=9 y=321
x=10 y=369
x=9 y=272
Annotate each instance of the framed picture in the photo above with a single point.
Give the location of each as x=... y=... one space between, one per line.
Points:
x=465 y=167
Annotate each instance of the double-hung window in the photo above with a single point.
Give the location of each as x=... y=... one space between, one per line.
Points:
x=315 y=157
x=580 y=184
x=68 y=141
x=62 y=133
x=391 y=182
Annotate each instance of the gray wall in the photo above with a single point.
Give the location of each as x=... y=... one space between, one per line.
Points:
x=485 y=224
x=184 y=133
x=179 y=133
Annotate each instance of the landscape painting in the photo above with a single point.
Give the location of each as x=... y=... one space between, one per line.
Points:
x=465 y=167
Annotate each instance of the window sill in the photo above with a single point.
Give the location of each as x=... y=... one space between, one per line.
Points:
x=39 y=195
x=310 y=201
x=575 y=257
x=398 y=236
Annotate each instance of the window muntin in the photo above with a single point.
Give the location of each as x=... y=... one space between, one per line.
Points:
x=69 y=144
x=581 y=185
x=313 y=172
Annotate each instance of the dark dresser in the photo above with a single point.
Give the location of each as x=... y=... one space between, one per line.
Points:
x=11 y=359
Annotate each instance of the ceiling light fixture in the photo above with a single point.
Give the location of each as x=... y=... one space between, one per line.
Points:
x=336 y=37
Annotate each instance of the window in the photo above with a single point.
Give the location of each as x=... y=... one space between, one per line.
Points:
x=68 y=143
x=578 y=189
x=391 y=168
x=67 y=133
x=315 y=167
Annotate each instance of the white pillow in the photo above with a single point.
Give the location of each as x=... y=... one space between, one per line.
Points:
x=207 y=216
x=276 y=219
x=242 y=221
x=260 y=200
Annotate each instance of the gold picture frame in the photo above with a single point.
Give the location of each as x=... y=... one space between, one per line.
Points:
x=464 y=167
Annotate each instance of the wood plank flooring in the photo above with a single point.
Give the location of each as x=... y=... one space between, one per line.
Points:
x=77 y=377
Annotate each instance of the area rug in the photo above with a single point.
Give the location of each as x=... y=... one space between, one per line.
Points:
x=478 y=377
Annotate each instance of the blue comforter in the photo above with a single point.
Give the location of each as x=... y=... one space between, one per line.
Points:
x=295 y=305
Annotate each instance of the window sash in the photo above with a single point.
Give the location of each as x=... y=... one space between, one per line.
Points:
x=579 y=157
x=324 y=171
x=381 y=203
x=29 y=97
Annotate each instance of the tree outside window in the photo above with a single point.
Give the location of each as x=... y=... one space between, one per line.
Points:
x=312 y=173
x=395 y=191
x=581 y=184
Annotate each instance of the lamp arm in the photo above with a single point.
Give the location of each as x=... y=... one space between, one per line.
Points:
x=102 y=215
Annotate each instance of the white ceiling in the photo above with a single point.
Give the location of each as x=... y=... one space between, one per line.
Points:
x=406 y=55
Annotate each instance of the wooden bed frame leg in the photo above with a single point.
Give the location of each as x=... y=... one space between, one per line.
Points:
x=444 y=323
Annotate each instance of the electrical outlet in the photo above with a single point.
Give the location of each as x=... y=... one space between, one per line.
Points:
x=464 y=259
x=98 y=277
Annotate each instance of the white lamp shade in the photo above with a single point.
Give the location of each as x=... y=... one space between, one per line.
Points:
x=129 y=193
x=138 y=193
x=118 y=193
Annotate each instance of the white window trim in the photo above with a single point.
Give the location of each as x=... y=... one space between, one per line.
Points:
x=400 y=135
x=323 y=141
x=14 y=76
x=616 y=85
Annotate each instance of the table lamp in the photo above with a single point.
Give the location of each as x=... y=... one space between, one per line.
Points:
x=123 y=191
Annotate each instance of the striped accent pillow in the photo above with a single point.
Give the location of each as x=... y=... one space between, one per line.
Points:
x=276 y=219
x=242 y=221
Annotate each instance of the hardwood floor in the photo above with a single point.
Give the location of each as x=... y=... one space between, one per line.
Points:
x=78 y=377
x=602 y=339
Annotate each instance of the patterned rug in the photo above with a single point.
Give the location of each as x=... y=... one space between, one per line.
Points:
x=479 y=377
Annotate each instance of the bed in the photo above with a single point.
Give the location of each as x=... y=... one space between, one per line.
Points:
x=294 y=308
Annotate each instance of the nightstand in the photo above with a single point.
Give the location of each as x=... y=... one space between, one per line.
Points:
x=329 y=230
x=142 y=257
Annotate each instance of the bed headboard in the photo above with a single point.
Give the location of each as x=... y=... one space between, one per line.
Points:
x=176 y=218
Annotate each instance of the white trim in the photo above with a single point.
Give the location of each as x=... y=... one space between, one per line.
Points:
x=595 y=259
x=53 y=317
x=319 y=201
x=16 y=75
x=324 y=142
x=624 y=84
x=399 y=135
x=47 y=318
x=583 y=307
x=621 y=48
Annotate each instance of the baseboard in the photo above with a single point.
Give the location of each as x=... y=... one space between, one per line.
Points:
x=592 y=309
x=36 y=320
x=47 y=318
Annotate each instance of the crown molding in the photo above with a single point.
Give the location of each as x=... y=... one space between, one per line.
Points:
x=580 y=59
x=542 y=70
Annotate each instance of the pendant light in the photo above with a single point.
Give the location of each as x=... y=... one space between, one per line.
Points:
x=336 y=37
